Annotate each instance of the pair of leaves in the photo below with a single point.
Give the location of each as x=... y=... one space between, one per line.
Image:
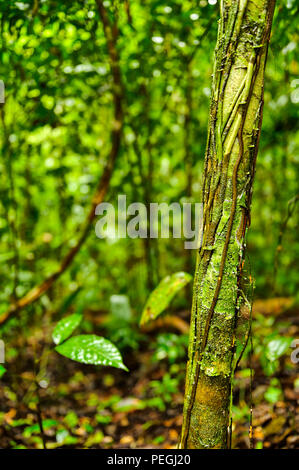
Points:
x=87 y=349
x=161 y=297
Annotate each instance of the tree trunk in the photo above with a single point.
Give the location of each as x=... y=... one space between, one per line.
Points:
x=218 y=296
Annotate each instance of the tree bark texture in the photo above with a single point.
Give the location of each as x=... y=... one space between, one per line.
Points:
x=219 y=294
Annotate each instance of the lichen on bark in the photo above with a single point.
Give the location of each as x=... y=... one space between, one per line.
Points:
x=233 y=136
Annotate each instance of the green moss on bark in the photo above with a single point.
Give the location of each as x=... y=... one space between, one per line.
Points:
x=234 y=127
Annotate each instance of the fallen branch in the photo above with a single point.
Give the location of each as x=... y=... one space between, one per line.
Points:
x=275 y=306
x=169 y=321
x=111 y=35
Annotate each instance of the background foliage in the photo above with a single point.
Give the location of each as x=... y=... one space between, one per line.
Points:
x=55 y=139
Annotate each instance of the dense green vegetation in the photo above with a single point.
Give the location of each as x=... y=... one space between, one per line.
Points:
x=122 y=89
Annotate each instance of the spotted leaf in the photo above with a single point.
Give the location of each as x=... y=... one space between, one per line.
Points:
x=65 y=327
x=91 y=349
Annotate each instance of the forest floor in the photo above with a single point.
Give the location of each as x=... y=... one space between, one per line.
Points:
x=84 y=406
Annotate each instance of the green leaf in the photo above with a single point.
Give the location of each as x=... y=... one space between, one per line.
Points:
x=269 y=367
x=161 y=297
x=2 y=370
x=95 y=438
x=65 y=327
x=91 y=349
x=273 y=394
x=35 y=428
x=277 y=347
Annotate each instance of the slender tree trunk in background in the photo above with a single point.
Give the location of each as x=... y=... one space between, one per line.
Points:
x=188 y=159
x=233 y=136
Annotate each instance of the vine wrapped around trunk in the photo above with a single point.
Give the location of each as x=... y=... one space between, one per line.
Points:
x=219 y=294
